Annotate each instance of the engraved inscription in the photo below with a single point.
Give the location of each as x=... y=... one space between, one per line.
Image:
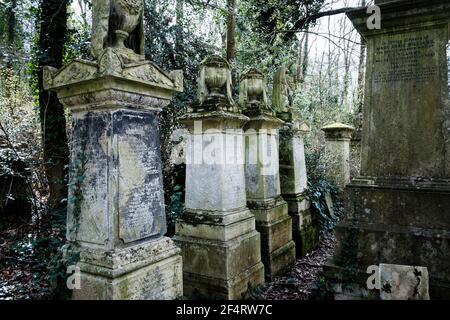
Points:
x=405 y=58
x=89 y=163
x=141 y=203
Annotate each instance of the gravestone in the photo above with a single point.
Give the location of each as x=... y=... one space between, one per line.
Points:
x=292 y=164
x=337 y=152
x=220 y=245
x=399 y=209
x=116 y=218
x=262 y=176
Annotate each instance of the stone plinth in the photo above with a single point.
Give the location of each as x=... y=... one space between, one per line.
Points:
x=217 y=235
x=220 y=245
x=399 y=209
x=337 y=152
x=116 y=218
x=294 y=183
x=264 y=194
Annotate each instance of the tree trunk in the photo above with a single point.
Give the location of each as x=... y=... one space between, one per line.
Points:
x=179 y=41
x=52 y=37
x=11 y=34
x=299 y=71
x=11 y=14
x=231 y=31
x=305 y=54
x=361 y=70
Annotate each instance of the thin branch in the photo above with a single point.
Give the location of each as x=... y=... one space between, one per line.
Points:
x=322 y=35
x=301 y=23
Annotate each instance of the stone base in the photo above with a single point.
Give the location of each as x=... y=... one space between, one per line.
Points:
x=221 y=254
x=150 y=271
x=396 y=221
x=305 y=232
x=275 y=226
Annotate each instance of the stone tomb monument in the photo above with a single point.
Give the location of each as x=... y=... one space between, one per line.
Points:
x=220 y=245
x=337 y=149
x=399 y=209
x=262 y=176
x=293 y=177
x=116 y=218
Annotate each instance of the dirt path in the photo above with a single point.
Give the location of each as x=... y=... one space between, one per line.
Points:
x=298 y=283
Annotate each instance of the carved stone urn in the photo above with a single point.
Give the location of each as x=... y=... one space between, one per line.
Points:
x=255 y=86
x=214 y=85
x=128 y=14
x=253 y=93
x=216 y=76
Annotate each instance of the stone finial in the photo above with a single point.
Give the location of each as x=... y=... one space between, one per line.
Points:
x=300 y=127
x=253 y=90
x=214 y=85
x=118 y=24
x=338 y=131
x=283 y=92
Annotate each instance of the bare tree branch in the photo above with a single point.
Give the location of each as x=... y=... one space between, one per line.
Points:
x=300 y=24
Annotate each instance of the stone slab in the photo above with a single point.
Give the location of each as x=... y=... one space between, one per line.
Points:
x=226 y=270
x=118 y=153
x=151 y=271
x=403 y=282
x=277 y=247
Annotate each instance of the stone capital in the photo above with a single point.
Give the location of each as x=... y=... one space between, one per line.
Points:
x=213 y=120
x=338 y=131
x=263 y=121
x=403 y=14
x=87 y=85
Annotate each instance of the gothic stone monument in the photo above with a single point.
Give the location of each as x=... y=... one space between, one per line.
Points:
x=399 y=209
x=116 y=218
x=220 y=245
x=262 y=176
x=293 y=177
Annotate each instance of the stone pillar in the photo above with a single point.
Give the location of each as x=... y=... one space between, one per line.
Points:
x=398 y=210
x=294 y=184
x=337 y=152
x=116 y=219
x=263 y=179
x=220 y=245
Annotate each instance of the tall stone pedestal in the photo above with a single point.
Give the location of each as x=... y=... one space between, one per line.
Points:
x=399 y=209
x=116 y=218
x=294 y=183
x=263 y=180
x=337 y=150
x=220 y=245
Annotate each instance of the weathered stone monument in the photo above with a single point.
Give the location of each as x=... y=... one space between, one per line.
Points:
x=292 y=164
x=220 y=245
x=337 y=151
x=399 y=209
x=116 y=218
x=262 y=176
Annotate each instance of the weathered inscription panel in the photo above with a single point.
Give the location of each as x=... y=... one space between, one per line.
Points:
x=141 y=202
x=88 y=192
x=405 y=59
x=406 y=73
